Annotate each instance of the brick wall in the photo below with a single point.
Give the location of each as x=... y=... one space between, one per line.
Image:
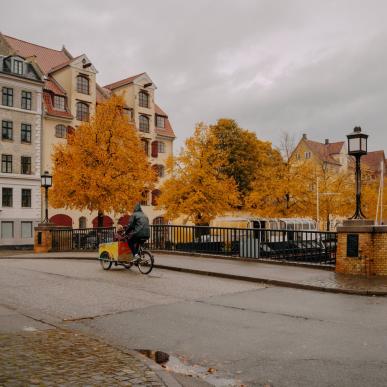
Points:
x=372 y=258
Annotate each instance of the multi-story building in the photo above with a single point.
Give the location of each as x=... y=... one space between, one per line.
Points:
x=21 y=83
x=70 y=96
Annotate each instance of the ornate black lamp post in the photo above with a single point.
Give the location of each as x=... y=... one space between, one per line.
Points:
x=357 y=146
x=46 y=182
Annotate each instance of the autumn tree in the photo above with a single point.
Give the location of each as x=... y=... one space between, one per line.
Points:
x=102 y=167
x=197 y=187
x=243 y=152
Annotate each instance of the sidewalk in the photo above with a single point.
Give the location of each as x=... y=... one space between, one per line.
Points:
x=36 y=353
x=279 y=275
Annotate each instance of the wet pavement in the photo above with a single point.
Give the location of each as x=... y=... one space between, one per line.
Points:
x=274 y=274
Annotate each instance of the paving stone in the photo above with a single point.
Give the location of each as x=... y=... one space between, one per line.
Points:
x=63 y=357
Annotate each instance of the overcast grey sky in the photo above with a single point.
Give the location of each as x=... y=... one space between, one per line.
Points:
x=302 y=66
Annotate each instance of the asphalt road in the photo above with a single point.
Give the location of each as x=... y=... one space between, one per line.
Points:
x=246 y=333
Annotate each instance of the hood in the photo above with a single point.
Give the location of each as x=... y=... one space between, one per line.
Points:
x=137 y=208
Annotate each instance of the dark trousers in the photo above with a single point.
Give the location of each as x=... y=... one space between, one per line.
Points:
x=133 y=245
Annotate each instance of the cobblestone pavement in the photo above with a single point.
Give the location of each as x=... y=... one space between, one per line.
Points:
x=66 y=358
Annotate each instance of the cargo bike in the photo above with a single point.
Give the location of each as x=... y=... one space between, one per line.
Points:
x=119 y=253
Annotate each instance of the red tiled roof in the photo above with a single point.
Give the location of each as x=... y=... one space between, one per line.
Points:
x=167 y=131
x=46 y=58
x=325 y=151
x=123 y=82
x=50 y=110
x=52 y=85
x=373 y=160
x=102 y=94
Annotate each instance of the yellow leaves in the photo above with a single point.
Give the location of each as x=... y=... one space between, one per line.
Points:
x=103 y=168
x=197 y=187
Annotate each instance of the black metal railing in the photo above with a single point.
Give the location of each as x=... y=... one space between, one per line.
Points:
x=317 y=247
x=289 y=245
x=81 y=239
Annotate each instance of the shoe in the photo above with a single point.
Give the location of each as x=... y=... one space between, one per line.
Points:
x=136 y=259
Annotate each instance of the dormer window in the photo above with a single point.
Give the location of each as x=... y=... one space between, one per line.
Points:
x=143 y=99
x=83 y=84
x=59 y=102
x=17 y=67
x=160 y=122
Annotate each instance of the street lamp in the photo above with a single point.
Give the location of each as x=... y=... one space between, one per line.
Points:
x=46 y=182
x=357 y=146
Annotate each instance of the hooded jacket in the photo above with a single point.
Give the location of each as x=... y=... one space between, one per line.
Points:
x=138 y=226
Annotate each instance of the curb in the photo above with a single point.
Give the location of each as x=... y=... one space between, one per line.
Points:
x=280 y=283
x=267 y=281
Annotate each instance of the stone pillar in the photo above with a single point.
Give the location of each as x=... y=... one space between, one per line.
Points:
x=43 y=238
x=361 y=248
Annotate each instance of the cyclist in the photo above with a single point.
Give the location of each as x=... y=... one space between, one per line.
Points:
x=138 y=230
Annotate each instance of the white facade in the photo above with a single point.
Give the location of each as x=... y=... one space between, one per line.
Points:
x=19 y=217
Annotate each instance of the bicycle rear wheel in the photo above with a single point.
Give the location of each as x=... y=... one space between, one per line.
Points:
x=145 y=264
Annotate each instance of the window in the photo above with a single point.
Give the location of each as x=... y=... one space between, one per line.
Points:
x=59 y=102
x=6 y=163
x=298 y=156
x=82 y=111
x=6 y=230
x=145 y=146
x=160 y=122
x=82 y=222
x=144 y=124
x=25 y=133
x=143 y=99
x=155 y=196
x=6 y=200
x=26 y=230
x=160 y=170
x=26 y=100
x=7 y=96
x=17 y=67
x=6 y=130
x=308 y=155
x=25 y=165
x=82 y=84
x=26 y=198
x=161 y=146
x=60 y=131
x=144 y=198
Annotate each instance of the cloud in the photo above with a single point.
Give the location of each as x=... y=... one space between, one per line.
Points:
x=299 y=66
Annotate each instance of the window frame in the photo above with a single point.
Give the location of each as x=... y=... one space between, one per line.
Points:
x=7 y=96
x=82 y=115
x=25 y=161
x=58 y=128
x=8 y=196
x=59 y=106
x=16 y=66
x=145 y=146
x=161 y=147
x=26 y=200
x=83 y=84
x=158 y=117
x=30 y=224
x=26 y=129
x=141 y=121
x=13 y=229
x=6 y=162
x=26 y=100
x=143 y=99
x=8 y=129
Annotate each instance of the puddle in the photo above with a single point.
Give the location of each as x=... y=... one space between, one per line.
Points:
x=174 y=364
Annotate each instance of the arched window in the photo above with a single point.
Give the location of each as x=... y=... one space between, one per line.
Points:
x=144 y=198
x=161 y=146
x=155 y=196
x=82 y=222
x=82 y=84
x=144 y=123
x=62 y=220
x=82 y=111
x=143 y=99
x=60 y=131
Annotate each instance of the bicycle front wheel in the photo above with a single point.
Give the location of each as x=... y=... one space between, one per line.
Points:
x=145 y=264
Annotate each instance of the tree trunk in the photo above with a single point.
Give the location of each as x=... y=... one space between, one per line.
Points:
x=100 y=219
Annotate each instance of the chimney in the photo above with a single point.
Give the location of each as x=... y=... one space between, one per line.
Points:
x=326 y=141
x=304 y=137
